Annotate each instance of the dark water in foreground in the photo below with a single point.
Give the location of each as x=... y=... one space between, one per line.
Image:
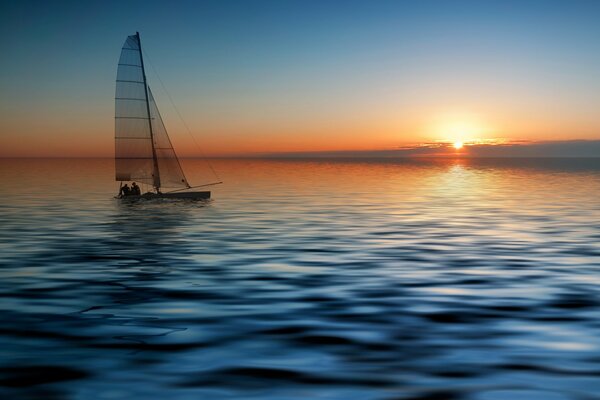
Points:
x=328 y=280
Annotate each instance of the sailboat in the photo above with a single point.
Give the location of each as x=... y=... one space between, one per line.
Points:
x=143 y=151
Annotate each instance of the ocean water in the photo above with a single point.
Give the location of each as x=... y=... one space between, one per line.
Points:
x=443 y=279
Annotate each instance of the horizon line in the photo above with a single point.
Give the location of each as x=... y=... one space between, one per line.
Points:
x=276 y=156
x=492 y=148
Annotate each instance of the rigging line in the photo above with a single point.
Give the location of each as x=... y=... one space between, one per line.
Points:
x=192 y=187
x=202 y=154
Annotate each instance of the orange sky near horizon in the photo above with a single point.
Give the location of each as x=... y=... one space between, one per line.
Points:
x=91 y=136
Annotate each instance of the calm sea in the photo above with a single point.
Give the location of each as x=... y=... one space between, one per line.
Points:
x=447 y=279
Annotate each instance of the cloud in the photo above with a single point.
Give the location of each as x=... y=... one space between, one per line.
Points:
x=518 y=149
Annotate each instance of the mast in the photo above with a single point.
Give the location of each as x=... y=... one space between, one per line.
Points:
x=155 y=174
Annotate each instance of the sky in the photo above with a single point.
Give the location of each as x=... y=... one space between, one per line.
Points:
x=254 y=77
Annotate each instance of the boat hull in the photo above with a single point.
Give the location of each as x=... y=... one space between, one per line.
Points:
x=205 y=195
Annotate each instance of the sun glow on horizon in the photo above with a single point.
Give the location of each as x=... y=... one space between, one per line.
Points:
x=460 y=128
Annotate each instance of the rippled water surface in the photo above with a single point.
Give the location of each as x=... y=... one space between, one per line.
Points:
x=447 y=279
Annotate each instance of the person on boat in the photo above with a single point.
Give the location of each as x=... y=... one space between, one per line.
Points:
x=125 y=191
x=135 y=189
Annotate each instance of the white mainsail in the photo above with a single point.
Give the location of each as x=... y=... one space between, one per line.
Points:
x=143 y=150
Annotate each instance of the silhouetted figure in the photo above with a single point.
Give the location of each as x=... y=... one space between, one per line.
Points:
x=125 y=191
x=135 y=189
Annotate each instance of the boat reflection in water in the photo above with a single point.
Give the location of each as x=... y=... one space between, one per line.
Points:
x=439 y=279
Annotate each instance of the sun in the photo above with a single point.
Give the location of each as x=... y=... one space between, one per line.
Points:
x=458 y=145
